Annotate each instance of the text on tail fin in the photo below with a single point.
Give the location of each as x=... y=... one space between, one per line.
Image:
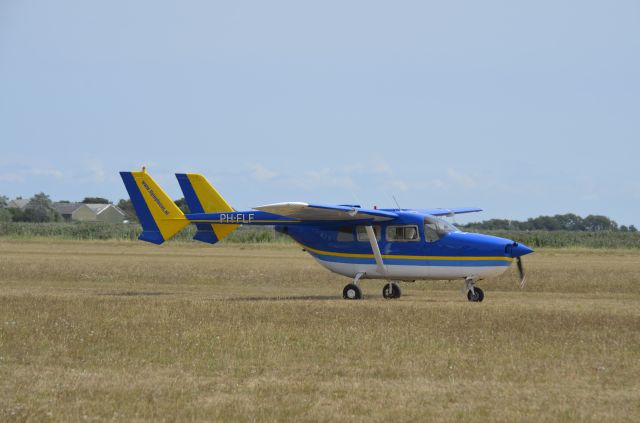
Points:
x=159 y=216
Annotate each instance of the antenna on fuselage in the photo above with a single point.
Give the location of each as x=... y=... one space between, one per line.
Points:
x=396 y=201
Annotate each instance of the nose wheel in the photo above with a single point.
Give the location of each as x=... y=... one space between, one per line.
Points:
x=475 y=296
x=391 y=290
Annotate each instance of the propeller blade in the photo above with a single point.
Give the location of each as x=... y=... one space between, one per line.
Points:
x=523 y=278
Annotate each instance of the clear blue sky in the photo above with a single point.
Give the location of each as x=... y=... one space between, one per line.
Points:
x=522 y=108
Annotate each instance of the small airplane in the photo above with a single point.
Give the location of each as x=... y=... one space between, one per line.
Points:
x=389 y=244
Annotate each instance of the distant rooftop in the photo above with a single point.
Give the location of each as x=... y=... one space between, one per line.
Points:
x=18 y=203
x=66 y=208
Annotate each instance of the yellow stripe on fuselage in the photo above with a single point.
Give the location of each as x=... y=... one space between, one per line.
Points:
x=394 y=256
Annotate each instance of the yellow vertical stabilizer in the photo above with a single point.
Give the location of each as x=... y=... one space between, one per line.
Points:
x=160 y=217
x=202 y=197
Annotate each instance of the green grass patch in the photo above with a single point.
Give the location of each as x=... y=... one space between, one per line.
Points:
x=124 y=231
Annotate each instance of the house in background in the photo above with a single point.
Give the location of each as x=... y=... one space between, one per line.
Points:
x=18 y=203
x=107 y=213
x=77 y=212
x=81 y=212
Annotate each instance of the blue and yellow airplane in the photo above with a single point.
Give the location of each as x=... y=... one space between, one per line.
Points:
x=390 y=244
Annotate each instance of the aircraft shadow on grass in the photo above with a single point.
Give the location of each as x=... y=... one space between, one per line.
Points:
x=134 y=294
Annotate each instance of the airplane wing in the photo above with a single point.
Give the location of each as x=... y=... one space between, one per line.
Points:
x=450 y=212
x=306 y=211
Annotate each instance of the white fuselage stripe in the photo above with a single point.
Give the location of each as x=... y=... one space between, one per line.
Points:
x=411 y=272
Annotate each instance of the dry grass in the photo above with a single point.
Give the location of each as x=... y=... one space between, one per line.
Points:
x=126 y=331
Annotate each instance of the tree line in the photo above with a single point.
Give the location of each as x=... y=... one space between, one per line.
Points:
x=558 y=222
x=40 y=208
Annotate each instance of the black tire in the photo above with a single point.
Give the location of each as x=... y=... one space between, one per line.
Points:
x=477 y=296
x=391 y=290
x=352 y=292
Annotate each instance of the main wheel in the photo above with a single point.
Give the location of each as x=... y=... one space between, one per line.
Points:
x=391 y=290
x=351 y=292
x=476 y=296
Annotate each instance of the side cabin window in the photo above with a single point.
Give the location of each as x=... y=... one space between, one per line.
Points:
x=345 y=234
x=403 y=233
x=361 y=232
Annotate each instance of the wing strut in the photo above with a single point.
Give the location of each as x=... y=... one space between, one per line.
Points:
x=376 y=250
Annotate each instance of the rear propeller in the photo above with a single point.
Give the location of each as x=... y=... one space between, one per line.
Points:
x=523 y=278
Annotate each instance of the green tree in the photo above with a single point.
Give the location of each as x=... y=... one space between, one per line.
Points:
x=546 y=223
x=17 y=215
x=570 y=222
x=40 y=209
x=599 y=223
x=633 y=228
x=559 y=222
x=5 y=214
x=182 y=205
x=95 y=200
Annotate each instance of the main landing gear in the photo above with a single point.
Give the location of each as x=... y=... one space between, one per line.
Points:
x=352 y=291
x=474 y=294
x=391 y=290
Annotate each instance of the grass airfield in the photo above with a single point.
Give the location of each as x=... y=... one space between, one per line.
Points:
x=128 y=331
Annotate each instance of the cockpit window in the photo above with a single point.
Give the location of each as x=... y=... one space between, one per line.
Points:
x=430 y=232
x=435 y=228
x=403 y=233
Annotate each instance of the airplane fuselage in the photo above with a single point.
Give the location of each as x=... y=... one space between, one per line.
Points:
x=450 y=255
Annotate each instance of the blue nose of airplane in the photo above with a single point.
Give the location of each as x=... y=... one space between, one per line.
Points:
x=518 y=250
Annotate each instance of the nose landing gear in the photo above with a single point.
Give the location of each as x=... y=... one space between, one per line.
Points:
x=474 y=294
